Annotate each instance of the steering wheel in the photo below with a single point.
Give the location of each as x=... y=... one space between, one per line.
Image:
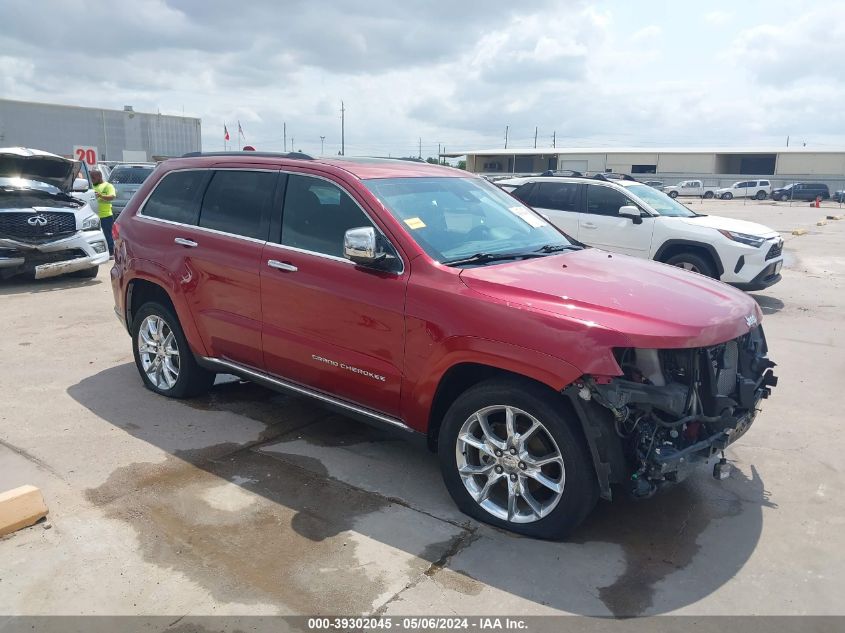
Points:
x=480 y=232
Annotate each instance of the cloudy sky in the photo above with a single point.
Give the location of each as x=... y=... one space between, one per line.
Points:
x=643 y=73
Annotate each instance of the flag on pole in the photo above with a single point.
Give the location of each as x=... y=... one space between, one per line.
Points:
x=241 y=130
x=225 y=133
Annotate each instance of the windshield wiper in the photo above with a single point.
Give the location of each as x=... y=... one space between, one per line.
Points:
x=555 y=248
x=483 y=258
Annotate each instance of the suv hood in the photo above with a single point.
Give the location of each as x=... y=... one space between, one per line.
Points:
x=652 y=305
x=729 y=224
x=33 y=164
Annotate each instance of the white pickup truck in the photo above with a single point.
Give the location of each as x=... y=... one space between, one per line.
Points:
x=690 y=188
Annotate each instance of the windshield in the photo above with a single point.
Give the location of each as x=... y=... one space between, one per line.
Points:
x=129 y=175
x=660 y=202
x=455 y=218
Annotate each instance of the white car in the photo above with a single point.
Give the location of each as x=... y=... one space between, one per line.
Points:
x=48 y=225
x=690 y=188
x=626 y=216
x=759 y=189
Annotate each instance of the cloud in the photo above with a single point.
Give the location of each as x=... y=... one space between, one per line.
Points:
x=453 y=73
x=807 y=50
x=718 y=18
x=647 y=33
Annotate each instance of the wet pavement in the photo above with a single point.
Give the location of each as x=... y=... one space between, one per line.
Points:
x=247 y=501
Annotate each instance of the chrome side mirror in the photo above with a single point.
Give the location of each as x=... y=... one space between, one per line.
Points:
x=359 y=246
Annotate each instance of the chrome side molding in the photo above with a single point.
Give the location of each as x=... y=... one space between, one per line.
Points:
x=273 y=382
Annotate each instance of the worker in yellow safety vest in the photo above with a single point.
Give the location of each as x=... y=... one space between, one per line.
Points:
x=105 y=194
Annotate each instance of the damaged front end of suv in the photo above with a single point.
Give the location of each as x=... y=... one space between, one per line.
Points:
x=672 y=409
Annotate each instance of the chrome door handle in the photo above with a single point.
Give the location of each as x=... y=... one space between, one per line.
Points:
x=185 y=242
x=274 y=263
x=590 y=225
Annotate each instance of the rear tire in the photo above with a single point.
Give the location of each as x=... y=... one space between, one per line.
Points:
x=708 y=195
x=761 y=195
x=694 y=263
x=515 y=491
x=162 y=355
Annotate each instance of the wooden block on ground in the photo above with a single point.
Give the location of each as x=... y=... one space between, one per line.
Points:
x=799 y=231
x=20 y=508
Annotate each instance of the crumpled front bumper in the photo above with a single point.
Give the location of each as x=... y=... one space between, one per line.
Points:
x=80 y=251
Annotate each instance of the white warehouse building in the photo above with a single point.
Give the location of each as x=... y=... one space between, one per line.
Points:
x=118 y=135
x=715 y=166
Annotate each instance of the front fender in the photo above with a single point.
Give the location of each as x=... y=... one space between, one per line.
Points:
x=418 y=398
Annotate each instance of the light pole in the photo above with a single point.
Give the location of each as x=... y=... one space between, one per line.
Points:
x=322 y=140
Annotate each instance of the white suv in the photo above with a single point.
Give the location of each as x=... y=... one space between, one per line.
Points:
x=626 y=216
x=759 y=189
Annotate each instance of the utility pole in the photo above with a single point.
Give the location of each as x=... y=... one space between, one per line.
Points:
x=554 y=139
x=535 y=137
x=285 y=134
x=506 y=137
x=292 y=146
x=787 y=141
x=438 y=153
x=420 y=152
x=322 y=140
x=342 y=129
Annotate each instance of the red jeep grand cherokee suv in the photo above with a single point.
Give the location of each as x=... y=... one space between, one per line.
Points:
x=426 y=299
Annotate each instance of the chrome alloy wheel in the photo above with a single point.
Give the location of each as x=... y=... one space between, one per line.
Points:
x=159 y=352
x=510 y=464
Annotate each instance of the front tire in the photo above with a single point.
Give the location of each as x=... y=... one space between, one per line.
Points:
x=511 y=457
x=162 y=355
x=727 y=196
x=673 y=194
x=694 y=263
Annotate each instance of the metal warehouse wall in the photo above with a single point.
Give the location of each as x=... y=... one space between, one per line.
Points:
x=805 y=164
x=57 y=128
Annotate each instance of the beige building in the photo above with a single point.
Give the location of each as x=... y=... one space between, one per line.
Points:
x=712 y=165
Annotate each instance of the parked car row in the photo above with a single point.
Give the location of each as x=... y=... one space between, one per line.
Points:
x=421 y=298
x=759 y=189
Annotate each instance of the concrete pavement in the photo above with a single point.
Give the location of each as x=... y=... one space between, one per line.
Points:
x=250 y=502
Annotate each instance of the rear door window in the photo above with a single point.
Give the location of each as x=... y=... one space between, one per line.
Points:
x=605 y=201
x=562 y=196
x=177 y=197
x=238 y=201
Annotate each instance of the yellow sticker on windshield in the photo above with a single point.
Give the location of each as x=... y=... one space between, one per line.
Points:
x=526 y=216
x=415 y=223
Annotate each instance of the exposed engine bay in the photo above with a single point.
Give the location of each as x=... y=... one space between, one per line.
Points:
x=679 y=407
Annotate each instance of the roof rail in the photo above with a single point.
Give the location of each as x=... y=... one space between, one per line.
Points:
x=611 y=176
x=571 y=173
x=297 y=155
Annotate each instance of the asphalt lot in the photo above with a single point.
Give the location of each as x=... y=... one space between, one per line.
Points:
x=250 y=502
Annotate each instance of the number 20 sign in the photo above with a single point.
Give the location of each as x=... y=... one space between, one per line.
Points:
x=86 y=154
